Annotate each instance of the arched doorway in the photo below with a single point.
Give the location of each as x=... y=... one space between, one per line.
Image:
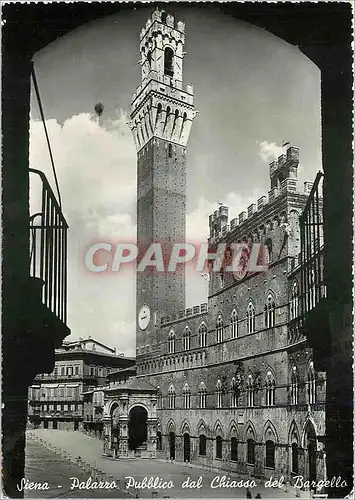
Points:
x=172 y=445
x=311 y=443
x=137 y=427
x=187 y=447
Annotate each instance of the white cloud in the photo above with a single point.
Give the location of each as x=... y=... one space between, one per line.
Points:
x=197 y=228
x=269 y=151
x=96 y=169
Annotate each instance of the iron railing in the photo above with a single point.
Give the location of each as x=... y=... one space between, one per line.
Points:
x=48 y=250
x=312 y=244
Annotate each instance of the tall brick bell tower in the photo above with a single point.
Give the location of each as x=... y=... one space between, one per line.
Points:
x=161 y=117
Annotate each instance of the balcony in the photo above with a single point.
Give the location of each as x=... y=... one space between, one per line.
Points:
x=313 y=301
x=68 y=378
x=59 y=413
x=48 y=251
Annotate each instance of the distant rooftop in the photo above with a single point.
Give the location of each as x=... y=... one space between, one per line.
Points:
x=88 y=344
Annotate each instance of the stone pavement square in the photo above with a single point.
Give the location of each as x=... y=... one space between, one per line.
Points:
x=75 y=444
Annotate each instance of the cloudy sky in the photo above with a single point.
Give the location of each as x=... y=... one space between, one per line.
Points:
x=252 y=90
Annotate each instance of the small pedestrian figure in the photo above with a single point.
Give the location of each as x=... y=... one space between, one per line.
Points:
x=258 y=495
x=249 y=493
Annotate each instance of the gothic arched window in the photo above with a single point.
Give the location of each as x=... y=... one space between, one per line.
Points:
x=294 y=386
x=250 y=391
x=234 y=396
x=202 y=335
x=168 y=62
x=202 y=395
x=250 y=318
x=269 y=389
x=187 y=339
x=234 y=324
x=269 y=311
x=311 y=384
x=187 y=396
x=219 y=329
x=171 y=397
x=171 y=342
x=219 y=394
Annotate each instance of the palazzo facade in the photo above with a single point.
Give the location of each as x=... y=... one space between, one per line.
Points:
x=234 y=384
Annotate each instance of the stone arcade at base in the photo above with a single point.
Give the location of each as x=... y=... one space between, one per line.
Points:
x=229 y=384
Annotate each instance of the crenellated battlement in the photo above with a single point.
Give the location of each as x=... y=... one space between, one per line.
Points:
x=163 y=18
x=284 y=167
x=219 y=224
x=184 y=314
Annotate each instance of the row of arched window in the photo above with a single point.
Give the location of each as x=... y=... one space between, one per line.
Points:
x=269 y=386
x=269 y=322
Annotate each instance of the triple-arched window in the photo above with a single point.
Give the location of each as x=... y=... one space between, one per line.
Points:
x=269 y=311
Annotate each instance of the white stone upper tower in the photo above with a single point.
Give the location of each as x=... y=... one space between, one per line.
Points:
x=160 y=106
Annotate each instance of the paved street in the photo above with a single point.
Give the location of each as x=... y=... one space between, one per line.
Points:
x=43 y=465
x=72 y=445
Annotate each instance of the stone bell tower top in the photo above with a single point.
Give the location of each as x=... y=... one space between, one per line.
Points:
x=161 y=107
x=161 y=47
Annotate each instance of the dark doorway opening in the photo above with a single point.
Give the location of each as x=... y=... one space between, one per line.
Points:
x=312 y=453
x=45 y=424
x=187 y=447
x=172 y=445
x=137 y=427
x=159 y=441
x=76 y=425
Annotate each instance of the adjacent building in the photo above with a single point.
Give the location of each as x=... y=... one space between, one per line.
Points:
x=56 y=400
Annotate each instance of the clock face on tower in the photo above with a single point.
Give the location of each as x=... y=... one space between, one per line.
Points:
x=144 y=317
